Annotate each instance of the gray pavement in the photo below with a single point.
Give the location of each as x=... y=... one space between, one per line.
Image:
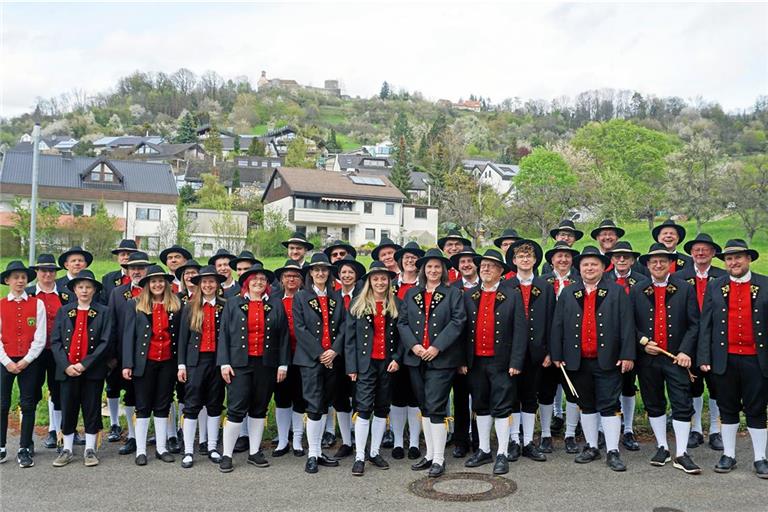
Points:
x=558 y=484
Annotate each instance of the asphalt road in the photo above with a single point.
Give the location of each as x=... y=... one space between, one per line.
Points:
x=118 y=484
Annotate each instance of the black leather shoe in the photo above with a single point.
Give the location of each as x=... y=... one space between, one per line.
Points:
x=215 y=457
x=165 y=456
x=258 y=459
x=344 y=451
x=614 y=461
x=513 y=452
x=501 y=466
x=79 y=440
x=328 y=439
x=311 y=465
x=128 y=447
x=436 y=470
x=726 y=464
x=202 y=449
x=398 y=453
x=661 y=457
x=557 y=425
x=459 y=451
x=114 y=433
x=545 y=445
x=414 y=453
x=685 y=463
x=388 y=441
x=358 y=468
x=716 y=441
x=241 y=444
x=588 y=454
x=327 y=461
x=225 y=466
x=50 y=440
x=479 y=458
x=173 y=445
x=600 y=441
x=281 y=452
x=570 y=445
x=531 y=451
x=299 y=453
x=761 y=468
x=275 y=441
x=422 y=465
x=25 y=458
x=630 y=442
x=141 y=460
x=695 y=439
x=378 y=461
x=187 y=461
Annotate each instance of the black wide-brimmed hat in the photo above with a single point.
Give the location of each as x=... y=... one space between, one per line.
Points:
x=701 y=238
x=137 y=259
x=350 y=260
x=385 y=242
x=174 y=248
x=566 y=225
x=17 y=266
x=46 y=262
x=657 y=249
x=591 y=251
x=155 y=271
x=467 y=250
x=507 y=234
x=256 y=269
x=622 y=247
x=290 y=265
x=76 y=250
x=298 y=238
x=453 y=234
x=340 y=244
x=412 y=248
x=607 y=224
x=84 y=275
x=736 y=246
x=560 y=247
x=179 y=272
x=221 y=253
x=207 y=271
x=669 y=223
x=378 y=267
x=319 y=259
x=494 y=256
x=243 y=256
x=538 y=253
x=126 y=245
x=433 y=254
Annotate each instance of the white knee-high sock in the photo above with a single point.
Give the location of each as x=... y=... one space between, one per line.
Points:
x=502 y=434
x=315 y=429
x=345 y=427
x=414 y=426
x=559 y=401
x=69 y=442
x=142 y=427
x=90 y=441
x=714 y=417
x=243 y=428
x=231 y=433
x=377 y=434
x=439 y=436
x=589 y=426
x=545 y=417
x=189 y=428
x=759 y=438
x=612 y=430
x=529 y=424
x=572 y=415
x=698 y=407
x=212 y=426
x=514 y=428
x=283 y=420
x=682 y=430
x=426 y=428
x=330 y=421
x=397 y=423
x=659 y=427
x=170 y=426
x=114 y=410
x=729 y=438
x=255 y=433
x=130 y=419
x=202 y=425
x=161 y=425
x=297 y=426
x=484 y=424
x=51 y=419
x=628 y=411
x=361 y=436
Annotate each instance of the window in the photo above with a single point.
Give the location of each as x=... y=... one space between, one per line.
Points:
x=370 y=234
x=420 y=213
x=153 y=243
x=242 y=163
x=191 y=215
x=147 y=213
x=384 y=233
x=207 y=247
x=345 y=233
x=66 y=207
x=78 y=210
x=278 y=182
x=102 y=173
x=389 y=208
x=265 y=164
x=302 y=230
x=322 y=231
x=367 y=207
x=322 y=204
x=275 y=164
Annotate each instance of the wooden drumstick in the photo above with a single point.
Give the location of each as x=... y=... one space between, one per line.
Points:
x=644 y=341
x=568 y=381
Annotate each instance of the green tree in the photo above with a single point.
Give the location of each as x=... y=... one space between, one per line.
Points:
x=187 y=194
x=468 y=204
x=332 y=145
x=385 y=91
x=184 y=225
x=256 y=147
x=47 y=225
x=84 y=148
x=297 y=154
x=746 y=193
x=401 y=170
x=236 y=179
x=212 y=194
x=266 y=240
x=236 y=145
x=213 y=145
x=186 y=132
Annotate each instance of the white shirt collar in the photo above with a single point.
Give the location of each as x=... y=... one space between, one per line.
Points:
x=349 y=293
x=212 y=302
x=492 y=289
x=704 y=274
x=467 y=284
x=83 y=308
x=39 y=290
x=743 y=279
x=23 y=296
x=619 y=276
x=525 y=282
x=318 y=292
x=226 y=286
x=70 y=276
x=661 y=284
x=264 y=297
x=561 y=278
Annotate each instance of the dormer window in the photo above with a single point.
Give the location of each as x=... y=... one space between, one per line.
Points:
x=102 y=172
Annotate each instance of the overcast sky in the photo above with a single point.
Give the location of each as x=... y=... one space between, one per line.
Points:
x=445 y=50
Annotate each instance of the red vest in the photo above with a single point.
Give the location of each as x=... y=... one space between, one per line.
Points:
x=288 y=306
x=404 y=287
x=427 y=303
x=160 y=341
x=78 y=348
x=453 y=275
x=52 y=303
x=701 y=287
x=660 y=316
x=622 y=281
x=485 y=325
x=19 y=325
x=208 y=338
x=526 y=290
x=741 y=336
x=556 y=284
x=347 y=299
x=379 y=332
x=326 y=339
x=256 y=328
x=589 y=326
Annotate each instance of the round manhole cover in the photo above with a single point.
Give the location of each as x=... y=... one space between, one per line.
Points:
x=463 y=487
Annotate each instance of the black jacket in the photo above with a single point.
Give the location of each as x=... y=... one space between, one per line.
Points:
x=358 y=341
x=189 y=340
x=137 y=334
x=110 y=281
x=99 y=328
x=117 y=306
x=541 y=308
x=682 y=262
x=573 y=278
x=688 y=274
x=635 y=278
x=232 y=347
x=308 y=325
x=64 y=293
x=65 y=296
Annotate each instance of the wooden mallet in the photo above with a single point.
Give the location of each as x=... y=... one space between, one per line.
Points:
x=644 y=341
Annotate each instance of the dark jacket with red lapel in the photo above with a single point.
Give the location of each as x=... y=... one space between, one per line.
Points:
x=64 y=294
x=635 y=278
x=713 y=329
x=189 y=340
x=446 y=326
x=358 y=341
x=615 y=325
x=308 y=325
x=573 y=278
x=109 y=282
x=682 y=262
x=137 y=334
x=511 y=332
x=99 y=328
x=682 y=317
x=541 y=308
x=232 y=346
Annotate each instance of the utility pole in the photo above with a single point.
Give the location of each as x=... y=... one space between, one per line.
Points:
x=33 y=200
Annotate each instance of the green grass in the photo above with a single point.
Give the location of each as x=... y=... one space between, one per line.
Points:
x=259 y=129
x=347 y=143
x=333 y=115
